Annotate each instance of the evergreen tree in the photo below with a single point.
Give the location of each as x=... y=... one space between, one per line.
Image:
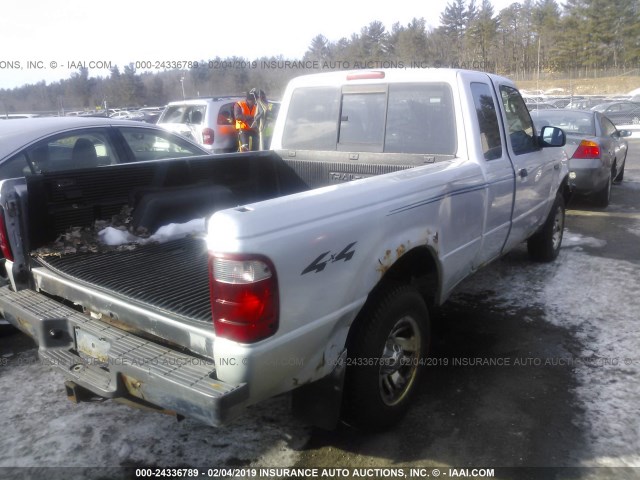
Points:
x=453 y=25
x=319 y=49
x=546 y=25
x=482 y=33
x=410 y=43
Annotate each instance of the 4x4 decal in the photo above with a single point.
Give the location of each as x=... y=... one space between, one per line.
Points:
x=325 y=258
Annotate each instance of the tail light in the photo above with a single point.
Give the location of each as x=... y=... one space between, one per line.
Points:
x=4 y=238
x=244 y=297
x=207 y=136
x=587 y=149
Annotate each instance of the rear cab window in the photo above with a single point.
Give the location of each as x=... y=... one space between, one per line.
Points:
x=391 y=118
x=312 y=119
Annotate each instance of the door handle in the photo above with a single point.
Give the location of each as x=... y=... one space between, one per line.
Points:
x=523 y=173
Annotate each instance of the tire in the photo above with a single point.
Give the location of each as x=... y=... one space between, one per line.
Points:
x=544 y=245
x=620 y=175
x=385 y=352
x=603 y=197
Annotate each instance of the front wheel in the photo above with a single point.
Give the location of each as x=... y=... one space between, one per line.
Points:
x=386 y=351
x=544 y=245
x=620 y=175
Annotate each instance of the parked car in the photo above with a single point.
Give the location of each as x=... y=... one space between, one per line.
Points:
x=585 y=103
x=121 y=114
x=540 y=106
x=207 y=121
x=57 y=143
x=36 y=145
x=620 y=113
x=595 y=147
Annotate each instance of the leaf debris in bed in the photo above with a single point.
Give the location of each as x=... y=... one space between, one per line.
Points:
x=86 y=239
x=118 y=234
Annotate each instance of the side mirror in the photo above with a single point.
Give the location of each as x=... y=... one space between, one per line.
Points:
x=624 y=133
x=552 y=137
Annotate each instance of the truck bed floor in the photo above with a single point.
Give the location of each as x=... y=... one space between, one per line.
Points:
x=171 y=276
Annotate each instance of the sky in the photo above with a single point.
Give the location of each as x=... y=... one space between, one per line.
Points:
x=49 y=40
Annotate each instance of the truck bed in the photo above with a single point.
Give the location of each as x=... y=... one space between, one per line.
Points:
x=172 y=276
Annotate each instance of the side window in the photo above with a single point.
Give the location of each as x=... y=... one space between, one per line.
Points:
x=196 y=114
x=420 y=119
x=174 y=114
x=312 y=119
x=519 y=124
x=225 y=115
x=15 y=167
x=88 y=149
x=151 y=144
x=487 y=121
x=608 y=128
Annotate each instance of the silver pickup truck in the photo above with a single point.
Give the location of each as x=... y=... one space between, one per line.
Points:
x=318 y=262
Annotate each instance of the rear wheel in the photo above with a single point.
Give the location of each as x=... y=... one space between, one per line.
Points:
x=603 y=197
x=544 y=245
x=385 y=355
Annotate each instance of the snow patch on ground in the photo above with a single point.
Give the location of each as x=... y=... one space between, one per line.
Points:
x=634 y=230
x=576 y=240
x=111 y=434
x=604 y=318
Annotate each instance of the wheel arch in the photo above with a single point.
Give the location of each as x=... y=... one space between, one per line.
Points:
x=565 y=190
x=418 y=267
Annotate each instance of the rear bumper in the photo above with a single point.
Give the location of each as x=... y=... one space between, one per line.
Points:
x=125 y=366
x=588 y=180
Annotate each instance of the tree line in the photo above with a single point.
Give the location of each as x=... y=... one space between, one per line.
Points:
x=579 y=38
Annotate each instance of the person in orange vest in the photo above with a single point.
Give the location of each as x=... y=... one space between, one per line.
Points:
x=245 y=112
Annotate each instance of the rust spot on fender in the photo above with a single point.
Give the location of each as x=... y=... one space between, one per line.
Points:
x=385 y=262
x=431 y=239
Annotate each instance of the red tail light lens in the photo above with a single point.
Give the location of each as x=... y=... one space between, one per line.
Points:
x=244 y=298
x=4 y=238
x=587 y=149
x=207 y=136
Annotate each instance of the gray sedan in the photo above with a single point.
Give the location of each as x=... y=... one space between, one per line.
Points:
x=37 y=145
x=596 y=150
